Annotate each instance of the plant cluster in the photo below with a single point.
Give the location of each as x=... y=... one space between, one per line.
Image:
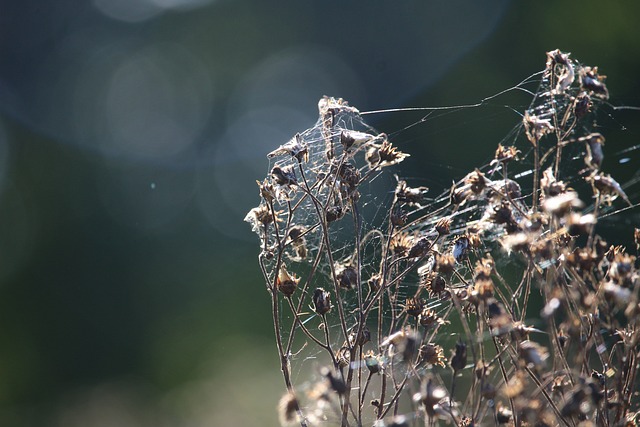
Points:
x=495 y=302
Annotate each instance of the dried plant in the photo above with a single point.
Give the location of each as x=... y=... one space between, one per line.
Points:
x=494 y=302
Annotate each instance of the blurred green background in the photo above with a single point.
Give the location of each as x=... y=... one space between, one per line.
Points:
x=131 y=135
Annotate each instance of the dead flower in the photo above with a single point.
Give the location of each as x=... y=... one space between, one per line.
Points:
x=284 y=175
x=431 y=354
x=594 y=143
x=384 y=154
x=607 y=187
x=321 y=301
x=410 y=196
x=296 y=147
x=591 y=81
x=536 y=127
x=413 y=306
x=286 y=283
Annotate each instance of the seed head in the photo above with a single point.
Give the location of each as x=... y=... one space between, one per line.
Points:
x=443 y=226
x=432 y=354
x=413 y=306
x=429 y=318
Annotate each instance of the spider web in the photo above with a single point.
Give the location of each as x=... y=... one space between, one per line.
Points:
x=342 y=213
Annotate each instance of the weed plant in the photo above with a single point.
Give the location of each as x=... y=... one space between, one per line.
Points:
x=493 y=303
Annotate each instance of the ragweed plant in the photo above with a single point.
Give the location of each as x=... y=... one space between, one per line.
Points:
x=392 y=307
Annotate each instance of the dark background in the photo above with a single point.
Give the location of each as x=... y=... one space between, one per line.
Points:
x=131 y=135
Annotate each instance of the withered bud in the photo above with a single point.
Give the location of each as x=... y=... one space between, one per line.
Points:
x=591 y=81
x=520 y=331
x=536 y=127
x=389 y=155
x=429 y=318
x=409 y=195
x=296 y=234
x=347 y=276
x=296 y=147
x=284 y=175
x=506 y=154
x=483 y=288
x=431 y=354
x=349 y=175
x=582 y=105
x=329 y=103
x=550 y=185
x=420 y=248
x=362 y=339
x=594 y=143
x=353 y=139
x=474 y=239
x=459 y=358
x=286 y=283
x=518 y=242
x=433 y=283
x=372 y=362
x=459 y=195
x=321 y=301
x=334 y=213
x=559 y=64
x=443 y=226
x=484 y=269
x=373 y=157
x=608 y=187
x=267 y=192
x=261 y=215
x=401 y=243
x=335 y=382
x=413 y=306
